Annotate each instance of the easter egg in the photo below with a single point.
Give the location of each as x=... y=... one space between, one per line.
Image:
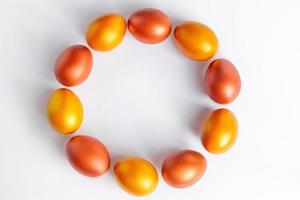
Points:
x=222 y=81
x=73 y=65
x=65 y=112
x=196 y=40
x=88 y=155
x=136 y=176
x=106 y=32
x=219 y=131
x=183 y=168
x=149 y=25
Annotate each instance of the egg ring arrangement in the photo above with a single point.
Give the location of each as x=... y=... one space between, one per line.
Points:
x=136 y=175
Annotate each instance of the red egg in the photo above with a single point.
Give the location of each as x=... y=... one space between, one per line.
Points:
x=73 y=65
x=184 y=168
x=88 y=155
x=149 y=25
x=222 y=81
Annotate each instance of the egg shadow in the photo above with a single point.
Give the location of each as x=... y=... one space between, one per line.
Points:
x=199 y=119
x=35 y=113
x=34 y=88
x=159 y=157
x=90 y=11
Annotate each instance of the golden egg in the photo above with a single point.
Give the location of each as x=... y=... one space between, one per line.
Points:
x=106 y=32
x=65 y=112
x=136 y=176
x=196 y=40
x=219 y=131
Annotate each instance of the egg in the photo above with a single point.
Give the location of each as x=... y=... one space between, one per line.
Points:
x=149 y=25
x=196 y=40
x=183 y=168
x=73 y=65
x=88 y=155
x=219 y=131
x=65 y=112
x=106 y=32
x=222 y=81
x=136 y=176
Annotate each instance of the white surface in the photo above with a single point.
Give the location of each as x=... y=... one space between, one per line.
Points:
x=143 y=100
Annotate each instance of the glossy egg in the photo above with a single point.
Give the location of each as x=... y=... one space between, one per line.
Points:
x=73 y=65
x=65 y=112
x=219 y=131
x=149 y=25
x=106 y=32
x=222 y=81
x=136 y=176
x=183 y=168
x=88 y=155
x=196 y=40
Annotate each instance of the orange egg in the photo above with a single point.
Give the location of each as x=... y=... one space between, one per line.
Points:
x=219 y=131
x=196 y=40
x=106 y=32
x=88 y=155
x=73 y=65
x=184 y=168
x=65 y=112
x=222 y=81
x=136 y=176
x=149 y=25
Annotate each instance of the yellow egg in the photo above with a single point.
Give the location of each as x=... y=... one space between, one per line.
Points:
x=219 y=131
x=65 y=112
x=196 y=40
x=106 y=32
x=136 y=176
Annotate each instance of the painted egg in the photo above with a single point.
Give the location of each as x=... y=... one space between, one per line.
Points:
x=149 y=25
x=222 y=81
x=65 y=112
x=184 y=168
x=136 y=176
x=219 y=131
x=196 y=40
x=88 y=155
x=106 y=32
x=73 y=65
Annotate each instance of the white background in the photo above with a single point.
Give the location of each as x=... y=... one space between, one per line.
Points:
x=147 y=100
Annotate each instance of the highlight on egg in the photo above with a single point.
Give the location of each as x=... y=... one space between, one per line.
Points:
x=73 y=65
x=219 y=131
x=65 y=111
x=106 y=32
x=149 y=25
x=196 y=40
x=184 y=168
x=88 y=155
x=222 y=81
x=136 y=176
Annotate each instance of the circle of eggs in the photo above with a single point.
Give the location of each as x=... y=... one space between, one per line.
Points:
x=136 y=175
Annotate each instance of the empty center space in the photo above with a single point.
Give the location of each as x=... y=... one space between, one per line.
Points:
x=139 y=97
